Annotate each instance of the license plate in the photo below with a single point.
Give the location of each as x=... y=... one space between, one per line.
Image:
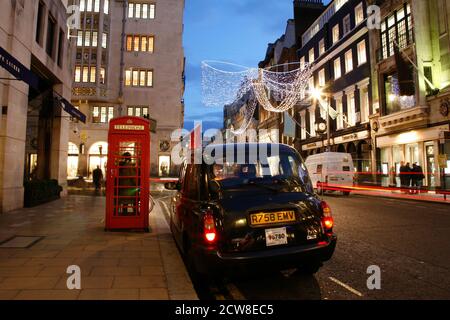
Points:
x=271 y=217
x=276 y=236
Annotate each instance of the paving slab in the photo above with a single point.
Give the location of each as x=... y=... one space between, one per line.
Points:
x=114 y=265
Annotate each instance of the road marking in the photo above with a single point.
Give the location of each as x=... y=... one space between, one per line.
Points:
x=346 y=286
x=167 y=210
x=165 y=197
x=234 y=292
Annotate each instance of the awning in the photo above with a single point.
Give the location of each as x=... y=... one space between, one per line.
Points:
x=69 y=108
x=17 y=69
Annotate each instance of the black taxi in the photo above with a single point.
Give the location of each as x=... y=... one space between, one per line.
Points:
x=250 y=205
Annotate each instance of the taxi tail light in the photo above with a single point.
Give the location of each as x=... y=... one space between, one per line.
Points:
x=327 y=219
x=209 y=227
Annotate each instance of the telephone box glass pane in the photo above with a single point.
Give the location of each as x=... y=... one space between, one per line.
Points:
x=128 y=180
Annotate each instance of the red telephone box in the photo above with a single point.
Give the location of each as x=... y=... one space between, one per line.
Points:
x=127 y=175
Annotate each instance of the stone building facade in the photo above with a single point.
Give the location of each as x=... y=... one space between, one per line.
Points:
x=412 y=88
x=129 y=60
x=36 y=73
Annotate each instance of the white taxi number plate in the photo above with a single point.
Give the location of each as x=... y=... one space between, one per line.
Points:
x=276 y=236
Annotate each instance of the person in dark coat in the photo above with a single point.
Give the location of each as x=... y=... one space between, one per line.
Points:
x=403 y=175
x=408 y=176
x=97 y=176
x=417 y=178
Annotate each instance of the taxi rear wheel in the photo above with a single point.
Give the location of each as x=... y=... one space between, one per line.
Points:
x=309 y=268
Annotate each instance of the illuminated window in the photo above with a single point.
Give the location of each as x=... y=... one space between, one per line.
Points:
x=136 y=43
x=102 y=114
x=145 y=11
x=80 y=39
x=97 y=6
x=138 y=10
x=128 y=77
x=130 y=10
x=129 y=43
x=142 y=78
x=149 y=78
x=364 y=103
x=335 y=33
x=151 y=43
x=397 y=27
x=135 y=77
x=321 y=47
x=351 y=109
x=104 y=40
x=337 y=68
x=346 y=23
x=88 y=5
x=151 y=14
x=140 y=43
x=139 y=78
x=348 y=61
x=144 y=43
x=359 y=14
x=93 y=73
x=87 y=38
x=106 y=7
x=322 y=78
x=94 y=38
x=82 y=5
x=311 y=55
x=362 y=55
x=102 y=76
x=77 y=74
x=85 y=74
x=141 y=10
x=340 y=116
x=137 y=111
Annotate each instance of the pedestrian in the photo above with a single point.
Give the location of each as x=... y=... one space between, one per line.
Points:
x=403 y=177
x=97 y=176
x=408 y=175
x=417 y=177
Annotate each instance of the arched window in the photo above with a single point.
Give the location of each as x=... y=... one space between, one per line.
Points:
x=73 y=149
x=98 y=148
x=98 y=153
x=72 y=160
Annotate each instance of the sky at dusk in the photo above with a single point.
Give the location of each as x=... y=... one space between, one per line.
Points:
x=235 y=31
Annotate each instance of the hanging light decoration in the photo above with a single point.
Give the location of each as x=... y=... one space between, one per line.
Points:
x=276 y=91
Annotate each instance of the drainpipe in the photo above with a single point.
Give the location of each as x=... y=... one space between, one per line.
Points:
x=122 y=51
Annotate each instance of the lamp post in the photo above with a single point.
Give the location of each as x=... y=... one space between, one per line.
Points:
x=317 y=94
x=100 y=149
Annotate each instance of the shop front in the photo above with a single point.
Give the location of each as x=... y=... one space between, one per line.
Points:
x=419 y=146
x=358 y=144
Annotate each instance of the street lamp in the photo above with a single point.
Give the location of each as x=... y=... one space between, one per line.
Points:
x=317 y=93
x=100 y=149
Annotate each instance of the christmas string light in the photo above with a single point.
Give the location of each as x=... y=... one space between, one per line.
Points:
x=276 y=91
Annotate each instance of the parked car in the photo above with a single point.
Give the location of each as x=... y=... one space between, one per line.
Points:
x=262 y=213
x=332 y=171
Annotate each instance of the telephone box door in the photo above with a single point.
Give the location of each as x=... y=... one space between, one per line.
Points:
x=127 y=186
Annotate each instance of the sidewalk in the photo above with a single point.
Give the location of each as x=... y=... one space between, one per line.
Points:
x=429 y=196
x=114 y=265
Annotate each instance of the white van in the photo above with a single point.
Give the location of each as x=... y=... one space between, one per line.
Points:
x=331 y=171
